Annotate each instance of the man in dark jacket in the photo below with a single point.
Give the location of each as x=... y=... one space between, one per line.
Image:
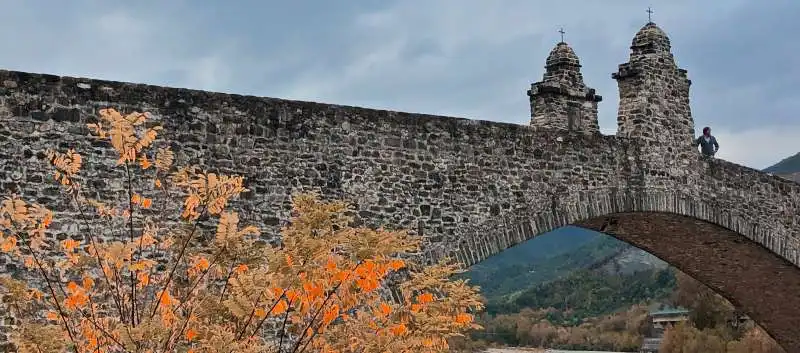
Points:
x=708 y=144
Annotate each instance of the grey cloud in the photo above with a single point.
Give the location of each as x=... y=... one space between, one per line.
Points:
x=464 y=58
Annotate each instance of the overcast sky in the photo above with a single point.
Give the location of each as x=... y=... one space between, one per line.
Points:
x=465 y=58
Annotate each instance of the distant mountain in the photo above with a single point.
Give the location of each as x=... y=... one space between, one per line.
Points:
x=555 y=255
x=788 y=168
x=539 y=273
x=631 y=260
x=535 y=261
x=531 y=261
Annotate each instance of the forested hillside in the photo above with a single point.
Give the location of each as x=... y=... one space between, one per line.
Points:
x=788 y=168
x=560 y=254
x=788 y=165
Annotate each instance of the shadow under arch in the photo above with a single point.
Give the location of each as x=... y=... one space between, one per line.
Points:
x=750 y=264
x=758 y=282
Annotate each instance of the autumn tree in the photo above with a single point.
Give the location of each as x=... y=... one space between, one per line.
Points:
x=755 y=341
x=141 y=276
x=713 y=315
x=707 y=308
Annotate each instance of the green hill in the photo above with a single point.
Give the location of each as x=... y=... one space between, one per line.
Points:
x=594 y=271
x=537 y=260
x=788 y=165
x=585 y=293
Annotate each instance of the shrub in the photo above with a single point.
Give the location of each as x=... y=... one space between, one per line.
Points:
x=142 y=279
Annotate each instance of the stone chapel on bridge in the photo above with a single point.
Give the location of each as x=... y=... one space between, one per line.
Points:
x=649 y=81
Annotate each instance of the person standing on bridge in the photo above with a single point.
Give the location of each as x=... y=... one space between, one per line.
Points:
x=708 y=143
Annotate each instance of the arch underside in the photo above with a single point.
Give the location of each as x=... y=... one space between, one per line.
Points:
x=761 y=284
x=753 y=265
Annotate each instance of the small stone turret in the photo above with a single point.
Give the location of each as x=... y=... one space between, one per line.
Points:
x=654 y=93
x=561 y=101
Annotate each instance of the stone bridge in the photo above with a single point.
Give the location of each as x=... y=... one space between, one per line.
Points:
x=471 y=188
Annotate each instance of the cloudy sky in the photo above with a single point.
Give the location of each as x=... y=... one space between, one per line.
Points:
x=466 y=58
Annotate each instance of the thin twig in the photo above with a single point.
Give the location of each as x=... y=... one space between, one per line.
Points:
x=50 y=286
x=328 y=297
x=177 y=261
x=130 y=236
x=93 y=244
x=227 y=278
x=170 y=339
x=283 y=325
x=264 y=319
x=153 y=247
x=186 y=296
x=93 y=320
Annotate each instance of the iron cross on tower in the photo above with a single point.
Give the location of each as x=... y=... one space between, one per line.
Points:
x=561 y=30
x=649 y=15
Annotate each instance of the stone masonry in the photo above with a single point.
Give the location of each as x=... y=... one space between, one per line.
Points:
x=561 y=101
x=654 y=97
x=471 y=188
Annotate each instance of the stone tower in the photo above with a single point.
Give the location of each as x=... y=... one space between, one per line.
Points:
x=654 y=95
x=561 y=101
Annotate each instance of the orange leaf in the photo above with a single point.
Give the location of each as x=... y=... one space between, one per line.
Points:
x=399 y=330
x=9 y=243
x=69 y=244
x=292 y=294
x=241 y=269
x=165 y=299
x=385 y=309
x=88 y=283
x=145 y=163
x=146 y=202
x=260 y=313
x=144 y=278
x=330 y=314
x=279 y=308
x=72 y=287
x=201 y=263
x=313 y=291
x=463 y=318
x=52 y=315
x=425 y=298
x=330 y=265
x=157 y=183
x=191 y=334
x=397 y=264
x=47 y=220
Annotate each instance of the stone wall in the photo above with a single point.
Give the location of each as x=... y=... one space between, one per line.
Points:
x=443 y=177
x=654 y=97
x=561 y=101
x=433 y=174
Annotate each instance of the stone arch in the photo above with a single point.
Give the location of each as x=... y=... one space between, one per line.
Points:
x=720 y=248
